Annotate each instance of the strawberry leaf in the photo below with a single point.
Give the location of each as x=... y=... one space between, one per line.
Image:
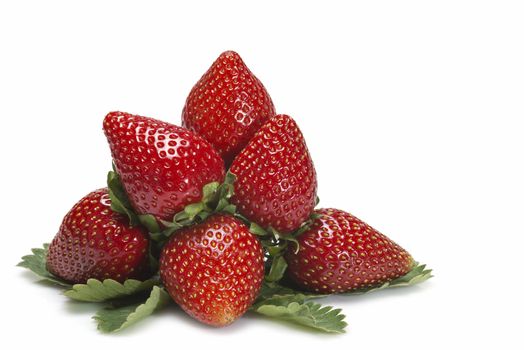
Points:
x=418 y=274
x=37 y=263
x=118 y=318
x=296 y=309
x=98 y=291
x=272 y=289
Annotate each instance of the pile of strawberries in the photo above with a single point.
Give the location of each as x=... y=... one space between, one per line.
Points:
x=220 y=214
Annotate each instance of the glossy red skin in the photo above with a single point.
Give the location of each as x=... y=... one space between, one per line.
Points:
x=95 y=242
x=276 y=182
x=163 y=167
x=213 y=270
x=341 y=253
x=227 y=105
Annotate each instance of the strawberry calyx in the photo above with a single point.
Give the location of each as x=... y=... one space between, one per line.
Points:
x=215 y=199
x=275 y=245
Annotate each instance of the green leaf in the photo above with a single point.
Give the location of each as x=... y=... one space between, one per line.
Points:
x=97 y=291
x=119 y=200
x=272 y=289
x=115 y=319
x=278 y=267
x=418 y=274
x=297 y=310
x=37 y=263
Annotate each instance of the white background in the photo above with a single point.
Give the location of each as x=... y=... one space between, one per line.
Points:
x=412 y=111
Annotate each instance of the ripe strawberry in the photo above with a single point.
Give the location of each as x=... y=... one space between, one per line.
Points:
x=276 y=183
x=95 y=242
x=213 y=270
x=227 y=105
x=163 y=167
x=340 y=253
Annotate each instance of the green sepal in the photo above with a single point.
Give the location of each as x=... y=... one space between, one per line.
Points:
x=149 y=222
x=37 y=263
x=229 y=209
x=226 y=189
x=315 y=216
x=257 y=230
x=117 y=318
x=296 y=309
x=277 y=270
x=99 y=291
x=119 y=200
x=230 y=178
x=215 y=198
x=275 y=250
x=192 y=210
x=208 y=191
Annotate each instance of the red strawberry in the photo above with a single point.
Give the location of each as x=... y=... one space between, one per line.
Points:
x=95 y=242
x=163 y=167
x=276 y=183
x=213 y=270
x=340 y=253
x=227 y=105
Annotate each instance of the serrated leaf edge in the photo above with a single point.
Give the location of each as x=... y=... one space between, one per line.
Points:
x=100 y=291
x=41 y=254
x=156 y=300
x=308 y=314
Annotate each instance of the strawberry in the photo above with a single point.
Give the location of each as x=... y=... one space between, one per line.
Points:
x=213 y=270
x=276 y=182
x=341 y=253
x=227 y=105
x=162 y=167
x=95 y=242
